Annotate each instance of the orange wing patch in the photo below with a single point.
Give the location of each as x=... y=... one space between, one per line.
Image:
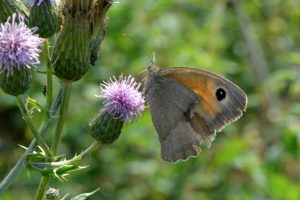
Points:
x=203 y=86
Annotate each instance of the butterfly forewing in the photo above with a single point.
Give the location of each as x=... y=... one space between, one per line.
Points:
x=215 y=112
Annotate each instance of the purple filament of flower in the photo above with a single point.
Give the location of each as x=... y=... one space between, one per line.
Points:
x=122 y=98
x=18 y=45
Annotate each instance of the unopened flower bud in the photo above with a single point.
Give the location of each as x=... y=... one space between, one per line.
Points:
x=96 y=43
x=98 y=26
x=71 y=53
x=46 y=16
x=8 y=7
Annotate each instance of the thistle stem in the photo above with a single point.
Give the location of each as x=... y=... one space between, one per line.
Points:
x=32 y=127
x=94 y=146
x=42 y=188
x=66 y=91
x=49 y=76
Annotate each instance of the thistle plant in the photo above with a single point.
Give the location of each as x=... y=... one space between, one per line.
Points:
x=75 y=30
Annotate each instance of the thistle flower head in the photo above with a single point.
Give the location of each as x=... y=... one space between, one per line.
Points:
x=18 y=45
x=39 y=2
x=122 y=98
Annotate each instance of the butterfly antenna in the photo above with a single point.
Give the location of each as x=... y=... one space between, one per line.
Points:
x=144 y=49
x=153 y=58
x=141 y=75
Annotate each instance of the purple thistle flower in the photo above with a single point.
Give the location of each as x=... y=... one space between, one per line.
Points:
x=18 y=45
x=39 y=2
x=122 y=98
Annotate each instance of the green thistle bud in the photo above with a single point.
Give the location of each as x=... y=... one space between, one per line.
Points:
x=96 y=43
x=16 y=83
x=46 y=17
x=106 y=129
x=71 y=53
x=8 y=7
x=79 y=40
x=98 y=27
x=52 y=194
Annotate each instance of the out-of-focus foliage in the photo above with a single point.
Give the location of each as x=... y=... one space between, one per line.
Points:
x=256 y=157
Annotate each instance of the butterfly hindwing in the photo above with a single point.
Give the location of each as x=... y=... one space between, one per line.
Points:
x=168 y=102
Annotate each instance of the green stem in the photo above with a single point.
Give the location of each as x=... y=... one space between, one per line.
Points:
x=94 y=146
x=42 y=188
x=32 y=127
x=49 y=76
x=66 y=91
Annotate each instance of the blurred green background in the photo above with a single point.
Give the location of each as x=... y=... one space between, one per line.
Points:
x=254 y=43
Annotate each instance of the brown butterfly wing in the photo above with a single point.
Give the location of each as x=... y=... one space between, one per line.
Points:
x=210 y=114
x=185 y=111
x=168 y=101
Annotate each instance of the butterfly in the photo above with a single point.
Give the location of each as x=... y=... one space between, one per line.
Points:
x=188 y=106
